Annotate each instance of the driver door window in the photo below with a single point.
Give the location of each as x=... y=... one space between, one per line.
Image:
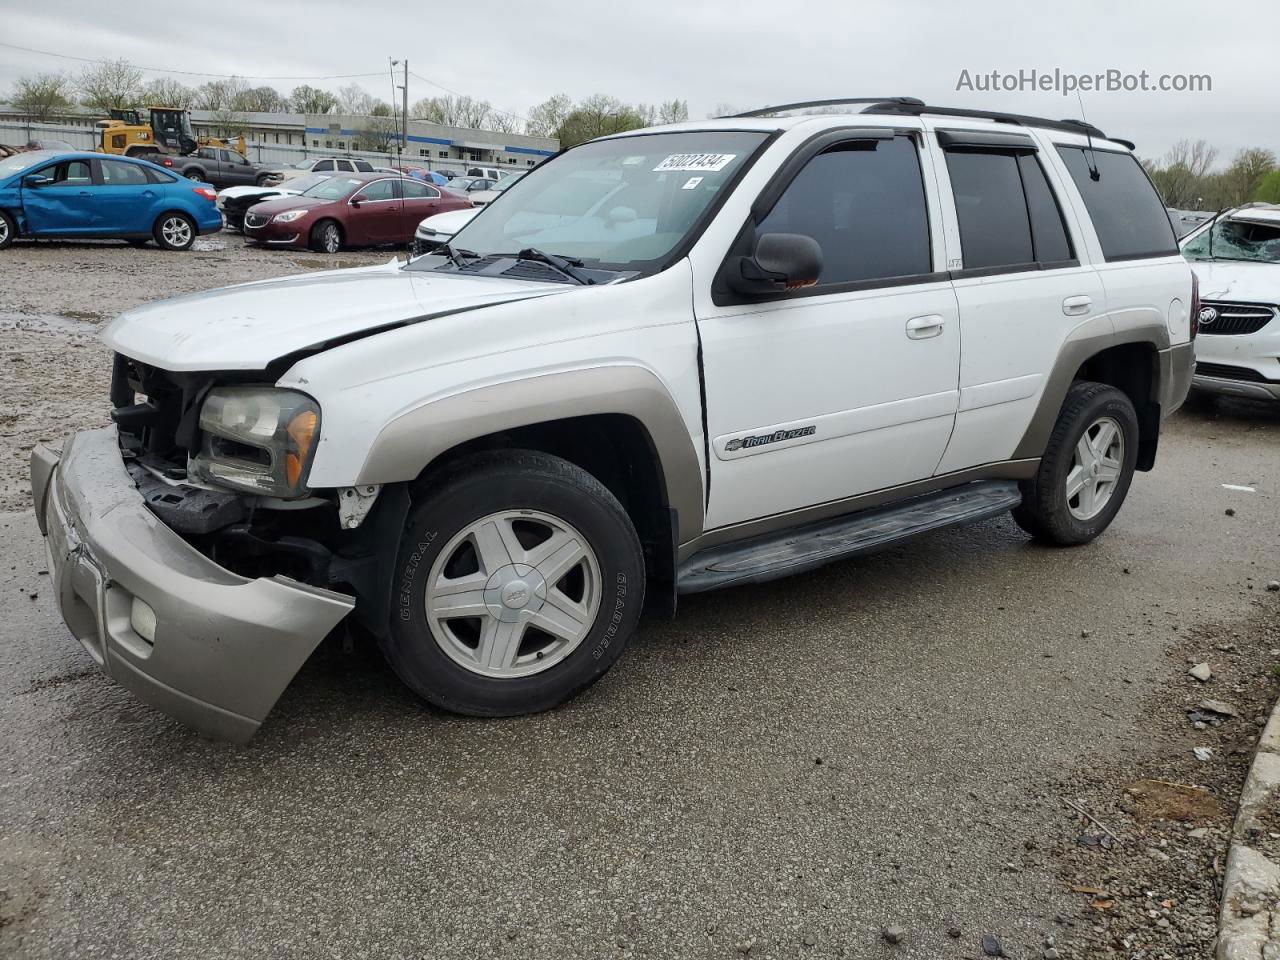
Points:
x=861 y=367
x=72 y=173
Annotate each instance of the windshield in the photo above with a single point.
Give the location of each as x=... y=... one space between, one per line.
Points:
x=1236 y=240
x=621 y=204
x=334 y=188
x=19 y=162
x=505 y=183
x=303 y=184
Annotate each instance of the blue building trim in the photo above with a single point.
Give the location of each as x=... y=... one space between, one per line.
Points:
x=533 y=150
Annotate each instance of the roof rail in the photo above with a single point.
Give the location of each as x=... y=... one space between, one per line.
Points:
x=897 y=106
x=806 y=104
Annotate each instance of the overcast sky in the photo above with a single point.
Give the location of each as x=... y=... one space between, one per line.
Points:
x=747 y=53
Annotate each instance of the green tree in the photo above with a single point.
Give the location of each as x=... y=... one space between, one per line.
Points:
x=547 y=117
x=1269 y=188
x=262 y=99
x=42 y=95
x=308 y=99
x=596 y=116
x=1242 y=179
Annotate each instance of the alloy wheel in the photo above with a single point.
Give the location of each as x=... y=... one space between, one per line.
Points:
x=513 y=594
x=1095 y=469
x=332 y=239
x=176 y=231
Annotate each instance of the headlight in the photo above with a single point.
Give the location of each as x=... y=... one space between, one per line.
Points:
x=289 y=217
x=258 y=439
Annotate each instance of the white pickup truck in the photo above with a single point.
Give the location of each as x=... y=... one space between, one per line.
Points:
x=692 y=357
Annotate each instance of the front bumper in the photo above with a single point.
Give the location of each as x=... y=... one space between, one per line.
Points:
x=1237 y=388
x=225 y=646
x=278 y=235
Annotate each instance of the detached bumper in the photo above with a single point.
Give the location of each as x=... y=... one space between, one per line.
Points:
x=225 y=646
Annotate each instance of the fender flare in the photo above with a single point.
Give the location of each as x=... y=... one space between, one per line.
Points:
x=410 y=442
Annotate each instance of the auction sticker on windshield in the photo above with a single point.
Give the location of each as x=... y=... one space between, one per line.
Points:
x=710 y=162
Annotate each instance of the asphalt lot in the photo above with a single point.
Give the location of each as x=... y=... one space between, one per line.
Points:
x=782 y=771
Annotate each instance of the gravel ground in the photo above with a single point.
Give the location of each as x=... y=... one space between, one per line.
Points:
x=783 y=771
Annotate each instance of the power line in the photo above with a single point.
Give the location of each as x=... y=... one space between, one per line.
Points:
x=505 y=113
x=193 y=73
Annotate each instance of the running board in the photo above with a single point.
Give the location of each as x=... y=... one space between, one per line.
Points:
x=776 y=555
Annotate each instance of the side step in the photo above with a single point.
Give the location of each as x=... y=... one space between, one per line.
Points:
x=776 y=555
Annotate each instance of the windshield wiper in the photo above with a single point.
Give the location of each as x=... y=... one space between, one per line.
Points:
x=565 y=266
x=456 y=256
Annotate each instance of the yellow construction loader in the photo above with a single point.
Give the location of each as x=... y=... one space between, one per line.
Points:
x=165 y=130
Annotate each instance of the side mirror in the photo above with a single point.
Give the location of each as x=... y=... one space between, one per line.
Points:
x=781 y=261
x=358 y=199
x=36 y=180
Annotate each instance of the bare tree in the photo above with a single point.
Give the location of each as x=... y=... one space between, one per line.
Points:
x=673 y=111
x=262 y=99
x=355 y=100
x=110 y=85
x=460 y=111
x=221 y=95
x=229 y=122
x=42 y=95
x=167 y=92
x=500 y=121
x=545 y=119
x=723 y=110
x=378 y=135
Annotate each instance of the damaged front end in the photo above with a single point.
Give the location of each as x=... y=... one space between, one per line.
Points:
x=201 y=600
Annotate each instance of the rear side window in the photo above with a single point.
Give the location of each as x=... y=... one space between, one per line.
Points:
x=364 y=166
x=864 y=203
x=416 y=190
x=1127 y=213
x=157 y=176
x=1007 y=212
x=117 y=173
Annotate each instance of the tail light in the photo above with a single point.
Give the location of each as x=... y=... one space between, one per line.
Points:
x=1195 y=305
x=207 y=192
x=167 y=161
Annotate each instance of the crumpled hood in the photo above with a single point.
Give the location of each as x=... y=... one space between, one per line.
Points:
x=1238 y=281
x=246 y=327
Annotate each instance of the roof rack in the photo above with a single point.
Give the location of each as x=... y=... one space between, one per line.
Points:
x=806 y=104
x=900 y=106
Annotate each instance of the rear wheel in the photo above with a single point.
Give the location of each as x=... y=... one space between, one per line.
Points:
x=519 y=581
x=1086 y=470
x=8 y=229
x=174 y=231
x=326 y=237
x=196 y=175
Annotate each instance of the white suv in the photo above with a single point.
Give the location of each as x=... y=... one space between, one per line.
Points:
x=1236 y=258
x=668 y=361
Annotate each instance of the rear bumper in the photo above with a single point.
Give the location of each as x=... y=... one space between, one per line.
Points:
x=225 y=647
x=1177 y=365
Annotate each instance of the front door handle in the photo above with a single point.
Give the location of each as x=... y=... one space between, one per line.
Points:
x=1077 y=306
x=922 y=328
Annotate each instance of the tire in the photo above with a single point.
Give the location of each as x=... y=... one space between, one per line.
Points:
x=196 y=175
x=461 y=663
x=1050 y=510
x=174 y=231
x=326 y=237
x=8 y=229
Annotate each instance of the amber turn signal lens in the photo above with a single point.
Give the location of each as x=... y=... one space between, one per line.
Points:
x=301 y=430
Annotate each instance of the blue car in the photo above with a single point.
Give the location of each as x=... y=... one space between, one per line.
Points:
x=71 y=194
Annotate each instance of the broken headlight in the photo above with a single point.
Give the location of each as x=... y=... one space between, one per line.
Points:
x=257 y=439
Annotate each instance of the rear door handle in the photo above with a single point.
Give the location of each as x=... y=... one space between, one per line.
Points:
x=922 y=328
x=1077 y=306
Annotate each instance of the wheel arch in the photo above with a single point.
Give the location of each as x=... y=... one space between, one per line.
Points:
x=1129 y=362
x=617 y=422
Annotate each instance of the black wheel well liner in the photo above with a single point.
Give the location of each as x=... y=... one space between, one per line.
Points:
x=1134 y=370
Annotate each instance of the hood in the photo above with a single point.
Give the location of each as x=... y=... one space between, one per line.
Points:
x=1239 y=281
x=276 y=205
x=235 y=193
x=248 y=326
x=450 y=222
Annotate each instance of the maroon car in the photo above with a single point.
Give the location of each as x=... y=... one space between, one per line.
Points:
x=349 y=210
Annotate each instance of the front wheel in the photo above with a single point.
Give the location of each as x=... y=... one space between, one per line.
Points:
x=519 y=580
x=1086 y=469
x=326 y=237
x=174 y=231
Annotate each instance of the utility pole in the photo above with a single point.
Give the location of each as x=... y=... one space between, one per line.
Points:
x=404 y=112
